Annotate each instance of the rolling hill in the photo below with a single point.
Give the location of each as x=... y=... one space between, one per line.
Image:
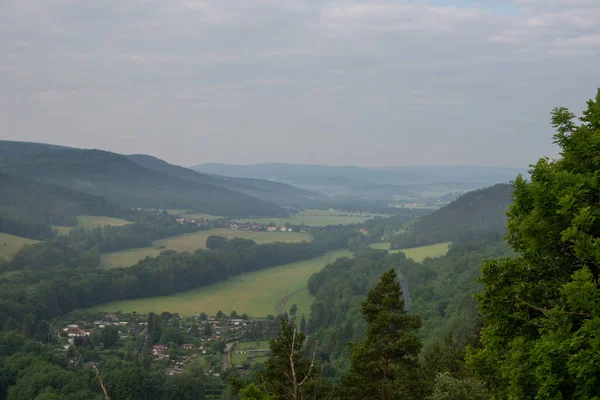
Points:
x=277 y=192
x=474 y=215
x=28 y=208
x=411 y=182
x=124 y=182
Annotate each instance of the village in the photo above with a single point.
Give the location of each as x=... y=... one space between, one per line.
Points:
x=241 y=226
x=167 y=341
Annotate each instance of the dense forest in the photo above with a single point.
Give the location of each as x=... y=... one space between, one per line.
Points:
x=29 y=208
x=473 y=216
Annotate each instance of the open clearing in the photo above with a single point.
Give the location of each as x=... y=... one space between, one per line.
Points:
x=317 y=218
x=92 y=221
x=254 y=293
x=418 y=254
x=10 y=245
x=192 y=242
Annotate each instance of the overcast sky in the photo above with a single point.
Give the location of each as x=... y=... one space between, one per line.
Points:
x=369 y=83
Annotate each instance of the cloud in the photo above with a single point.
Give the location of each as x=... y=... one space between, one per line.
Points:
x=297 y=80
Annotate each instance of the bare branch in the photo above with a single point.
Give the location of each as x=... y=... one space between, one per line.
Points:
x=312 y=363
x=295 y=381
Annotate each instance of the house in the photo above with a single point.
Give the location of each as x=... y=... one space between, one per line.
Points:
x=158 y=350
x=187 y=346
x=363 y=231
x=173 y=371
x=271 y=228
x=283 y=229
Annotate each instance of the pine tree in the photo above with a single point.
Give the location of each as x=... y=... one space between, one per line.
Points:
x=303 y=323
x=385 y=364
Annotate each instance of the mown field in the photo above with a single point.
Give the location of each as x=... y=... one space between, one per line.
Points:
x=194 y=241
x=91 y=222
x=317 y=218
x=254 y=293
x=184 y=213
x=418 y=253
x=10 y=245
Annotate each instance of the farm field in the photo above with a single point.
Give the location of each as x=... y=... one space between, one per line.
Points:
x=318 y=218
x=194 y=241
x=254 y=293
x=184 y=213
x=92 y=221
x=10 y=245
x=418 y=253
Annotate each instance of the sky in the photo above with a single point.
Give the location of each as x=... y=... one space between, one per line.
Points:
x=336 y=82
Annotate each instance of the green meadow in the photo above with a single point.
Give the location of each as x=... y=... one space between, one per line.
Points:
x=192 y=242
x=254 y=293
x=92 y=221
x=10 y=245
x=418 y=254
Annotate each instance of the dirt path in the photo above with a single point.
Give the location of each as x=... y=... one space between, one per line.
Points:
x=225 y=356
x=282 y=302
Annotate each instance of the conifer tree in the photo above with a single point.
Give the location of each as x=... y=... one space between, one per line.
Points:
x=385 y=364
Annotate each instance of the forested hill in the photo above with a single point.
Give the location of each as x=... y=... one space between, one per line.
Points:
x=120 y=180
x=473 y=216
x=277 y=192
x=28 y=207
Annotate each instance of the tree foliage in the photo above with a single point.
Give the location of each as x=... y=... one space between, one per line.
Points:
x=385 y=364
x=542 y=309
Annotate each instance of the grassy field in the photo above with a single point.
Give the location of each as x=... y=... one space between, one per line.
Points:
x=91 y=221
x=194 y=241
x=318 y=218
x=421 y=253
x=10 y=245
x=380 y=246
x=303 y=300
x=418 y=253
x=254 y=293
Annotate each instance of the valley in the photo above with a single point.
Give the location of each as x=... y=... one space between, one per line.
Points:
x=253 y=293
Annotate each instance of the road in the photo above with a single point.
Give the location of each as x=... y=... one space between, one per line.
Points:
x=281 y=303
x=225 y=356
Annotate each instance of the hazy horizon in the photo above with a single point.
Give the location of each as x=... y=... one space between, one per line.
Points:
x=335 y=82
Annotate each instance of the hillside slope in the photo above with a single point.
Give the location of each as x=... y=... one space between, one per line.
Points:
x=120 y=180
x=277 y=192
x=474 y=215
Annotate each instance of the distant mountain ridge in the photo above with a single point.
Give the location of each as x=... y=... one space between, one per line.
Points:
x=408 y=175
x=122 y=181
x=277 y=192
x=381 y=182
